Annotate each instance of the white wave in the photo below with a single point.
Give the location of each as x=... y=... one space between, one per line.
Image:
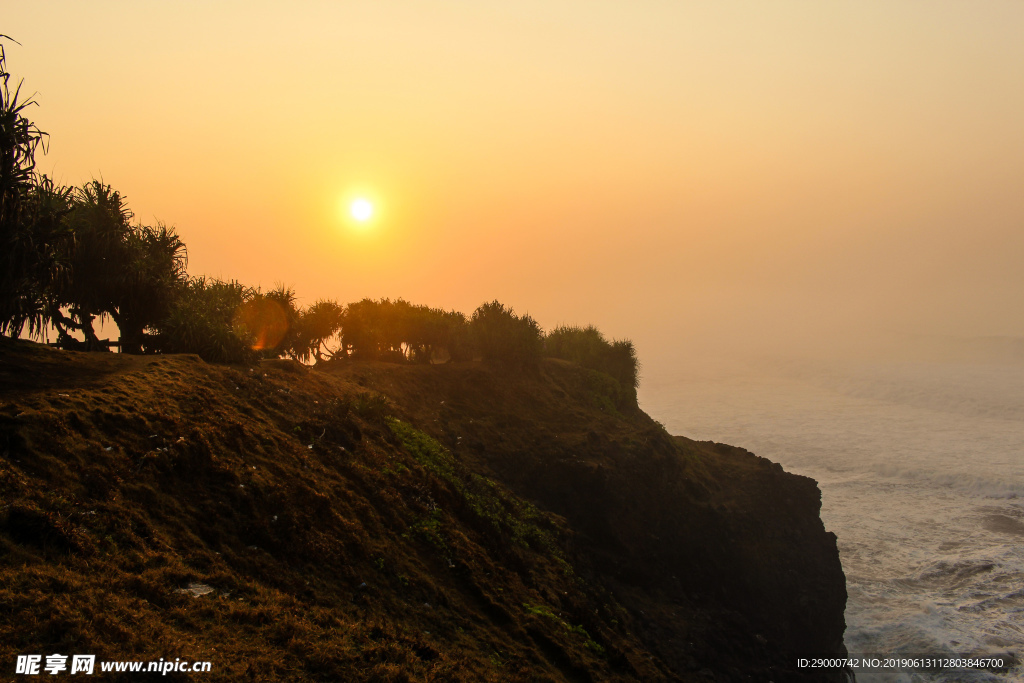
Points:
x=921 y=468
x=982 y=485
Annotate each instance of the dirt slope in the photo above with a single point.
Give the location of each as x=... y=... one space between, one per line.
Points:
x=385 y=522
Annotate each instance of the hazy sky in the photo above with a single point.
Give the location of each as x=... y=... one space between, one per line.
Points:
x=662 y=169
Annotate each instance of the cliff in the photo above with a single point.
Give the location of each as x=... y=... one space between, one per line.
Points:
x=371 y=521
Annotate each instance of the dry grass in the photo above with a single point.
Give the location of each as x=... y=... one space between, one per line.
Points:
x=335 y=550
x=380 y=522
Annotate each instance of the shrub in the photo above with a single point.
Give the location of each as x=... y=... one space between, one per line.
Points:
x=505 y=339
x=458 y=339
x=272 y=319
x=33 y=258
x=204 y=320
x=149 y=284
x=400 y=331
x=586 y=346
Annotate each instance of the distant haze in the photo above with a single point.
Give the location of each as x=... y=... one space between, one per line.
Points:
x=722 y=172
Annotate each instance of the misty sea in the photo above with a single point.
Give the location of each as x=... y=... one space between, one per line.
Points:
x=921 y=467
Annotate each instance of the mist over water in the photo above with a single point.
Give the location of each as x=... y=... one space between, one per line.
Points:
x=921 y=467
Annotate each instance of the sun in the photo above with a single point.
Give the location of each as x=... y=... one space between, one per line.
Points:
x=361 y=209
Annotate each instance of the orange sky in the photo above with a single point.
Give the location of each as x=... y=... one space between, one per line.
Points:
x=660 y=169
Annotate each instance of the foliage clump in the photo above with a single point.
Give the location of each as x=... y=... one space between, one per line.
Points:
x=70 y=255
x=427 y=451
x=28 y=241
x=201 y=321
x=586 y=346
x=505 y=339
x=403 y=332
x=577 y=630
x=128 y=271
x=314 y=327
x=511 y=518
x=228 y=322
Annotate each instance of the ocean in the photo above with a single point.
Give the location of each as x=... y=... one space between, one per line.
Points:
x=921 y=468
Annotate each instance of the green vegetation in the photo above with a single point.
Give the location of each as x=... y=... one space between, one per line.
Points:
x=201 y=321
x=70 y=255
x=505 y=339
x=586 y=346
x=577 y=630
x=513 y=518
x=428 y=452
x=30 y=231
x=402 y=332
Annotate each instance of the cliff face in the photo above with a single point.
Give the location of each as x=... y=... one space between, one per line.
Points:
x=385 y=522
x=718 y=550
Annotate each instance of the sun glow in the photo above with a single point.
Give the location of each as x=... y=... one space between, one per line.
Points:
x=361 y=210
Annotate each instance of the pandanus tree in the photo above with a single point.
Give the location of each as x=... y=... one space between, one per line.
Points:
x=400 y=331
x=316 y=325
x=363 y=329
x=130 y=272
x=505 y=339
x=33 y=238
x=68 y=255
x=150 y=283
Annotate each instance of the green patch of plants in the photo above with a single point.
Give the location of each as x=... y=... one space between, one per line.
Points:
x=430 y=528
x=428 y=452
x=539 y=610
x=566 y=568
x=512 y=518
x=398 y=469
x=515 y=518
x=577 y=630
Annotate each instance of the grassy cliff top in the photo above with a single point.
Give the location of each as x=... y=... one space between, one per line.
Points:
x=373 y=521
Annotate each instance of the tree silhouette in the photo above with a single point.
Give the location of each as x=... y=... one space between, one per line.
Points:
x=68 y=255
x=505 y=339
x=150 y=283
x=33 y=237
x=202 y=320
x=402 y=332
x=129 y=272
x=586 y=346
x=315 y=326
